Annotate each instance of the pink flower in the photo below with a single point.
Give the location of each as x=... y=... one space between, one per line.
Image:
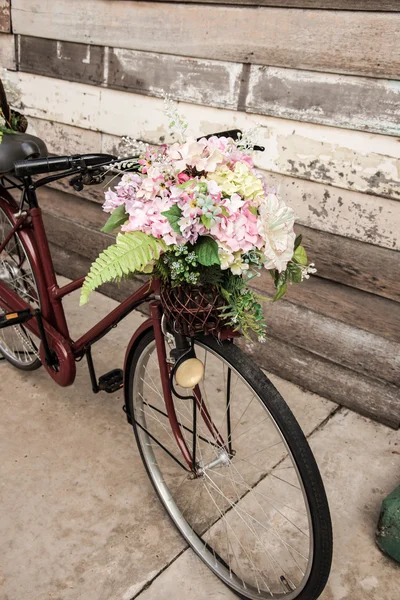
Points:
x=112 y=201
x=239 y=156
x=182 y=177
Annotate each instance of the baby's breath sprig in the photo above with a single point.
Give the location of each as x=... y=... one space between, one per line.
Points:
x=129 y=146
x=249 y=138
x=176 y=122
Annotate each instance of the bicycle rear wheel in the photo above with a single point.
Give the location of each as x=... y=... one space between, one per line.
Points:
x=17 y=345
x=257 y=515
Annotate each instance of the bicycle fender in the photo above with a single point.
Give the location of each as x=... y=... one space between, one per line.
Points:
x=134 y=341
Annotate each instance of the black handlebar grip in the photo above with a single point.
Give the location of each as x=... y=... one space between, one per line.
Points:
x=22 y=168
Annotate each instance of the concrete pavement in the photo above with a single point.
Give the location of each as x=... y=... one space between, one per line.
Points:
x=79 y=519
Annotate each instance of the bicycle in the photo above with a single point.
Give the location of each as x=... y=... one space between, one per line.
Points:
x=227 y=458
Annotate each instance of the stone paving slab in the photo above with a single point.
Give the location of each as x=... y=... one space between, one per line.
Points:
x=79 y=519
x=360 y=463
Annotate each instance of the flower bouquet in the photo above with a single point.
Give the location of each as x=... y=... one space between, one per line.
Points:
x=198 y=216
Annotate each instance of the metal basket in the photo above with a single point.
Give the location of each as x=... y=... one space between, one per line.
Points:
x=192 y=310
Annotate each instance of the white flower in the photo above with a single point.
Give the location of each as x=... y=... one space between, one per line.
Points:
x=225 y=256
x=306 y=271
x=276 y=227
x=239 y=266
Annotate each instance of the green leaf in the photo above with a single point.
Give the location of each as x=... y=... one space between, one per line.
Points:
x=118 y=217
x=297 y=241
x=206 y=251
x=186 y=184
x=253 y=210
x=294 y=272
x=224 y=211
x=300 y=255
x=132 y=252
x=280 y=292
x=280 y=278
x=173 y=215
x=206 y=221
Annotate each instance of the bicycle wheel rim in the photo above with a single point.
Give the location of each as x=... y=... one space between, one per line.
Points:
x=16 y=344
x=216 y=563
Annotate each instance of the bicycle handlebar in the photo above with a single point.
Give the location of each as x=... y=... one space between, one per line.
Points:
x=79 y=162
x=37 y=166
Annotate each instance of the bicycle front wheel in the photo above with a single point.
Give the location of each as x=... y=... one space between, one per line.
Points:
x=257 y=513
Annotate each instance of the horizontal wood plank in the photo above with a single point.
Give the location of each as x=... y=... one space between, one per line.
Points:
x=338 y=100
x=7 y=51
x=367 y=396
x=350 y=218
x=353 y=160
x=5 y=16
x=369 y=312
x=351 y=262
x=346 y=345
x=376 y=5
x=365 y=43
x=66 y=60
x=214 y=83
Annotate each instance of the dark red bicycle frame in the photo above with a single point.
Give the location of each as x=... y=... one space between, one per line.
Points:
x=31 y=231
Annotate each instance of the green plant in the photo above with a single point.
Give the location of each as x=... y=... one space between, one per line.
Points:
x=133 y=251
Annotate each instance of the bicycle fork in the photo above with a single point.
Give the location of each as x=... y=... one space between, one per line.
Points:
x=198 y=404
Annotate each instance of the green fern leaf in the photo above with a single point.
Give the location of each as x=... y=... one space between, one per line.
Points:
x=132 y=252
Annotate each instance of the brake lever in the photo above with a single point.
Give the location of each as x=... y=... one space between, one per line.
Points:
x=76 y=182
x=88 y=178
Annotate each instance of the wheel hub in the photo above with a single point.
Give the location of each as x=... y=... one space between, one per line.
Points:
x=222 y=460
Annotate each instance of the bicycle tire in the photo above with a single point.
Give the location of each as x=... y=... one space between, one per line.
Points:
x=25 y=360
x=295 y=440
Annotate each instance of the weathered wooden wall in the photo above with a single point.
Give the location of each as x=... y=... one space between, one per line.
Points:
x=323 y=81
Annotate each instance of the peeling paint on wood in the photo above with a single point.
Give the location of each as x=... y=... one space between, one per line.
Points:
x=379 y=316
x=333 y=163
x=365 y=43
x=346 y=159
x=213 y=83
x=5 y=16
x=65 y=139
x=342 y=212
x=7 y=51
x=54 y=100
x=340 y=100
